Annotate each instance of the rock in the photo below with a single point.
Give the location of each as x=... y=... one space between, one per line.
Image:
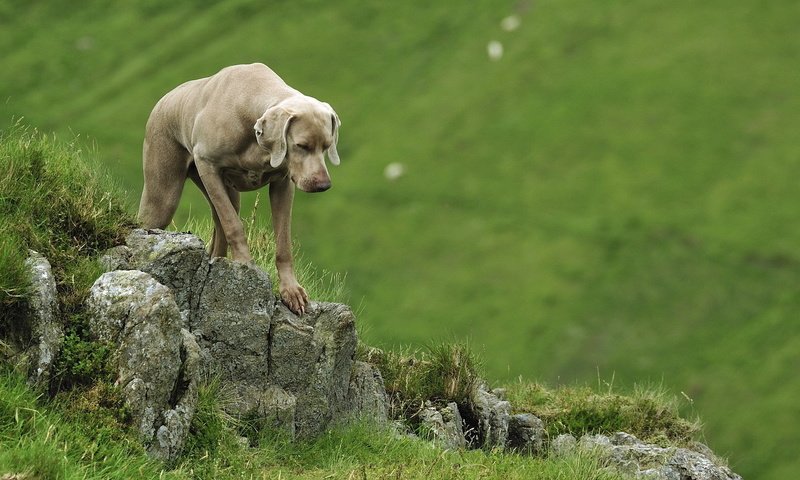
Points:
x=444 y=427
x=311 y=357
x=171 y=436
x=269 y=406
x=492 y=417
x=232 y=320
x=116 y=258
x=47 y=334
x=526 y=434
x=563 y=444
x=177 y=260
x=157 y=362
x=295 y=370
x=630 y=455
x=367 y=395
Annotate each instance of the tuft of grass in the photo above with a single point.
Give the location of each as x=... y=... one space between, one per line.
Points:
x=321 y=285
x=53 y=201
x=69 y=438
x=445 y=372
x=650 y=413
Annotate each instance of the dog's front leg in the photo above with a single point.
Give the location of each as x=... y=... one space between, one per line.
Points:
x=281 y=195
x=228 y=217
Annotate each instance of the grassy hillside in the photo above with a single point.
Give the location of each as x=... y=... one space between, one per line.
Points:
x=48 y=441
x=615 y=197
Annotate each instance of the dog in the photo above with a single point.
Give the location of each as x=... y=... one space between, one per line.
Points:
x=235 y=131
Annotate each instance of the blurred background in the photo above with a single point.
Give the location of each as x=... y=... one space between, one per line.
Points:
x=586 y=192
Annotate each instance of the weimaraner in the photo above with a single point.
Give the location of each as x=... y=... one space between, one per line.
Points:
x=236 y=131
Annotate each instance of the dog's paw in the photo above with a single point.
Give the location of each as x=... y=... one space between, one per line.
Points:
x=295 y=297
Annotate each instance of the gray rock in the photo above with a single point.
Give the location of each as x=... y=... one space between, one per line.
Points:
x=47 y=334
x=526 y=434
x=367 y=396
x=254 y=343
x=171 y=436
x=492 y=415
x=269 y=406
x=563 y=444
x=444 y=427
x=177 y=260
x=232 y=320
x=139 y=315
x=311 y=357
x=630 y=455
x=116 y=258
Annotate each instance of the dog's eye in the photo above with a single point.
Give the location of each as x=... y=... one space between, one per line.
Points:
x=303 y=146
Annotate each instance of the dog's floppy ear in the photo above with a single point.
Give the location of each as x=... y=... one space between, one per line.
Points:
x=333 y=155
x=271 y=130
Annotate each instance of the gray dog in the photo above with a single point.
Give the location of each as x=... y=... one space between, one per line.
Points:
x=236 y=131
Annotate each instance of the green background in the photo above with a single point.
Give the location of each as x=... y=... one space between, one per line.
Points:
x=614 y=200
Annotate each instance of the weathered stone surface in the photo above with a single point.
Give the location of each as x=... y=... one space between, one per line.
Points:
x=492 y=416
x=311 y=357
x=445 y=426
x=367 y=396
x=526 y=434
x=232 y=320
x=47 y=334
x=257 y=346
x=563 y=444
x=630 y=455
x=171 y=435
x=132 y=310
x=177 y=260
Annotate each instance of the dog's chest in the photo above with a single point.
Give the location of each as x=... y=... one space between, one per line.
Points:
x=250 y=170
x=244 y=180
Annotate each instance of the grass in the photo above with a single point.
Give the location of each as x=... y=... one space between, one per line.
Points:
x=650 y=413
x=53 y=202
x=617 y=192
x=39 y=440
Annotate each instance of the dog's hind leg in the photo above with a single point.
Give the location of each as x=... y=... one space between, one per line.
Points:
x=165 y=164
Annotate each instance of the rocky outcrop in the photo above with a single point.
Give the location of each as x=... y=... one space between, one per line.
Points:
x=46 y=333
x=631 y=456
x=293 y=373
x=157 y=361
x=174 y=316
x=443 y=426
x=491 y=416
x=526 y=434
x=367 y=393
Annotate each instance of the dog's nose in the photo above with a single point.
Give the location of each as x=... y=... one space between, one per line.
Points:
x=321 y=186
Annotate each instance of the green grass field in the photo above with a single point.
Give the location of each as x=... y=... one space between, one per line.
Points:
x=614 y=198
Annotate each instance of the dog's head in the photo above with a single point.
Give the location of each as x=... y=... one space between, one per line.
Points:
x=297 y=132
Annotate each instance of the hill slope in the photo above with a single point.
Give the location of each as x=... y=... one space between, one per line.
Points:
x=615 y=195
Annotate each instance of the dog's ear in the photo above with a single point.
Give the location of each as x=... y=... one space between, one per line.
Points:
x=271 y=130
x=333 y=154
